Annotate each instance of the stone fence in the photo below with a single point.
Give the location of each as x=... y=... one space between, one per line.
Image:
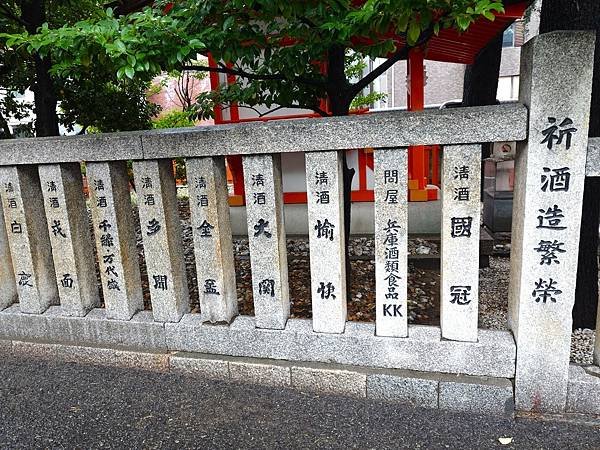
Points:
x=47 y=260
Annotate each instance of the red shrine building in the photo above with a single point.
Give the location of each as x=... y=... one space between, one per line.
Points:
x=447 y=52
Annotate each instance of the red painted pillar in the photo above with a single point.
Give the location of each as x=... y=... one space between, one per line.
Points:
x=418 y=165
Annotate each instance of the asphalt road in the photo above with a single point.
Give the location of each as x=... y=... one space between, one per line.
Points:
x=60 y=405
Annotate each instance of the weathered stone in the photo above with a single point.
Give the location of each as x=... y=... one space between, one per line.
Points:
x=69 y=231
x=114 y=231
x=381 y=130
x=459 y=286
x=556 y=84
x=493 y=354
x=583 y=392
x=592 y=166
x=391 y=242
x=324 y=379
x=37 y=350
x=161 y=234
x=266 y=235
x=98 y=356
x=201 y=365
x=89 y=147
x=28 y=238
x=325 y=192
x=268 y=374
x=95 y=329
x=401 y=386
x=5 y=347
x=213 y=248
x=8 y=293
x=477 y=395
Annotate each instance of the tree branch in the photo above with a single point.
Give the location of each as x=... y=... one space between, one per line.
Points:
x=380 y=70
x=8 y=13
x=252 y=76
x=260 y=115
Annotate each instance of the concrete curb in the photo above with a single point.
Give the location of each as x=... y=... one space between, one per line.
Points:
x=481 y=395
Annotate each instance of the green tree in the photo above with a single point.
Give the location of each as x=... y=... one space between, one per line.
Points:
x=99 y=100
x=284 y=53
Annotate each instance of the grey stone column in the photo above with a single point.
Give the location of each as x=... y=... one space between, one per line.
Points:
x=213 y=248
x=325 y=192
x=161 y=233
x=461 y=209
x=69 y=231
x=114 y=231
x=391 y=242
x=556 y=84
x=8 y=293
x=266 y=235
x=28 y=238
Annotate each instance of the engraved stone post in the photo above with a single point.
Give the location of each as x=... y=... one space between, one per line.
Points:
x=266 y=234
x=459 y=287
x=8 y=293
x=161 y=232
x=213 y=248
x=556 y=83
x=25 y=221
x=69 y=231
x=325 y=192
x=391 y=242
x=114 y=231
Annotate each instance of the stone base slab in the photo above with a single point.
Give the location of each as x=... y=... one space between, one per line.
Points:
x=424 y=350
x=481 y=395
x=583 y=392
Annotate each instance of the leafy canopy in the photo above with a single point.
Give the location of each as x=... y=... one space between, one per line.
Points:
x=277 y=48
x=99 y=99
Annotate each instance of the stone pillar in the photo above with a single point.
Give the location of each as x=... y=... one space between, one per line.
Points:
x=556 y=84
x=266 y=235
x=213 y=248
x=391 y=242
x=461 y=209
x=8 y=293
x=28 y=238
x=114 y=231
x=69 y=231
x=161 y=233
x=325 y=192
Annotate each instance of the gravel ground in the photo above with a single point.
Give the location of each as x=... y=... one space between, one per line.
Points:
x=423 y=284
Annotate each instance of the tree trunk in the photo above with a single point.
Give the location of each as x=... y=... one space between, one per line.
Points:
x=339 y=102
x=583 y=15
x=33 y=12
x=481 y=85
x=4 y=129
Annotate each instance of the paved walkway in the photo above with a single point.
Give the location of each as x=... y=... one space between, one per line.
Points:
x=59 y=405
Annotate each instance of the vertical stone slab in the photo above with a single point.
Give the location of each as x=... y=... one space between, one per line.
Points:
x=324 y=189
x=114 y=231
x=556 y=82
x=161 y=233
x=28 y=238
x=8 y=293
x=461 y=209
x=213 y=248
x=391 y=242
x=266 y=235
x=69 y=231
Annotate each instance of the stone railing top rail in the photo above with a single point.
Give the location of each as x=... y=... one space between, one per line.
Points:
x=507 y=122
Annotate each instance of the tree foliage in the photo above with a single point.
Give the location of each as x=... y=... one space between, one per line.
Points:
x=99 y=100
x=290 y=53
